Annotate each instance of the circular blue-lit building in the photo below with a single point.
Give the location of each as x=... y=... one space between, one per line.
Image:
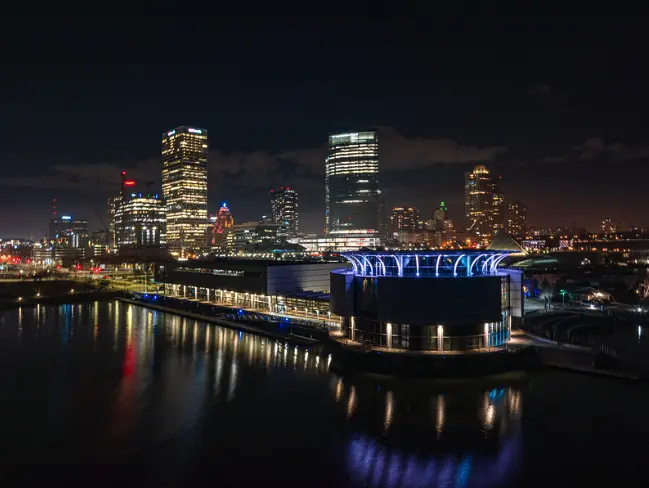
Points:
x=429 y=301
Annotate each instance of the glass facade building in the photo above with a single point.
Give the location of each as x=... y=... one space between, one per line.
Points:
x=140 y=221
x=405 y=219
x=184 y=187
x=352 y=183
x=284 y=203
x=483 y=201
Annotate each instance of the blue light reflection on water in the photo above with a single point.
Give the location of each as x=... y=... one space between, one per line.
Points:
x=126 y=381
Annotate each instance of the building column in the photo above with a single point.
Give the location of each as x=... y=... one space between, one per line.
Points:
x=486 y=336
x=184 y=291
x=440 y=338
x=207 y=290
x=352 y=328
x=388 y=335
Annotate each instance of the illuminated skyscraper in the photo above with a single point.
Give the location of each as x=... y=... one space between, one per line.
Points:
x=113 y=206
x=516 y=219
x=220 y=224
x=483 y=202
x=405 y=219
x=284 y=203
x=352 y=183
x=184 y=187
x=140 y=221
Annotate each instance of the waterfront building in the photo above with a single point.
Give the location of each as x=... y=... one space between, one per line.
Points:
x=352 y=184
x=285 y=207
x=405 y=219
x=429 y=301
x=483 y=200
x=184 y=187
x=340 y=243
x=295 y=288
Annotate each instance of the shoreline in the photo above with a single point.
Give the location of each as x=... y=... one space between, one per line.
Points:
x=360 y=367
x=297 y=340
x=68 y=298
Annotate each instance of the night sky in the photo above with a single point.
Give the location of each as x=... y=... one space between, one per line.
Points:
x=558 y=108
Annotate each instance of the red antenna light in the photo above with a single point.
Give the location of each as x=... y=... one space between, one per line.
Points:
x=129 y=183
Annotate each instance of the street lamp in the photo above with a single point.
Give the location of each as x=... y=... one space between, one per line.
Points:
x=563 y=297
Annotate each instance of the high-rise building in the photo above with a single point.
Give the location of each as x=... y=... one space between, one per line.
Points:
x=352 y=183
x=516 y=219
x=70 y=232
x=284 y=204
x=184 y=187
x=405 y=219
x=218 y=227
x=113 y=205
x=440 y=220
x=140 y=221
x=483 y=201
x=498 y=216
x=441 y=212
x=384 y=219
x=256 y=236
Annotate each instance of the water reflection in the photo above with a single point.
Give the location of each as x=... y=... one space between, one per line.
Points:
x=395 y=446
x=157 y=383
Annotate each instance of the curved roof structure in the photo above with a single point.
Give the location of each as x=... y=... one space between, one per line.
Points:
x=502 y=241
x=425 y=264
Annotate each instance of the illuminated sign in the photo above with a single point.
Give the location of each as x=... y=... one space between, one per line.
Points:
x=194 y=131
x=129 y=183
x=66 y=217
x=171 y=133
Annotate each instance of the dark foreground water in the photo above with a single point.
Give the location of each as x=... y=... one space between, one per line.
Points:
x=114 y=394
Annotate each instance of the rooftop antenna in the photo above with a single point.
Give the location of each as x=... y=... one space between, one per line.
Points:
x=54 y=208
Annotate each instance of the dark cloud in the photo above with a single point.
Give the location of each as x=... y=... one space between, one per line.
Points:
x=553 y=159
x=540 y=89
x=262 y=169
x=596 y=147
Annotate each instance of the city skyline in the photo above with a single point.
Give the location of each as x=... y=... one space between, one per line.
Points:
x=554 y=128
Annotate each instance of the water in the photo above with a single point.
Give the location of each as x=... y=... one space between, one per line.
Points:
x=109 y=393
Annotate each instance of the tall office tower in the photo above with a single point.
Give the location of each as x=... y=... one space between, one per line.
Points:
x=405 y=219
x=220 y=224
x=113 y=206
x=498 y=217
x=184 y=187
x=383 y=219
x=483 y=200
x=140 y=221
x=284 y=204
x=352 y=183
x=440 y=220
x=516 y=219
x=441 y=212
x=65 y=230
